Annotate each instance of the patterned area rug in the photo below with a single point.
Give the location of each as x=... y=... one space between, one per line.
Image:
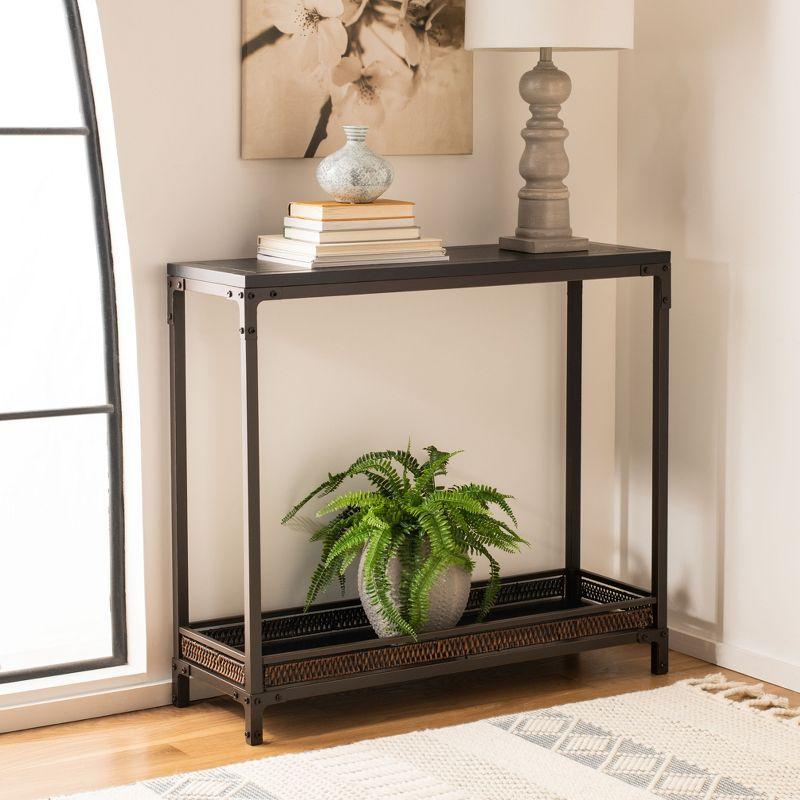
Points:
x=707 y=739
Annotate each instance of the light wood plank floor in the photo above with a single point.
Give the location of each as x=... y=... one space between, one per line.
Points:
x=115 y=750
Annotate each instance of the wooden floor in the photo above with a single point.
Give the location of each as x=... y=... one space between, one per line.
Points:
x=97 y=753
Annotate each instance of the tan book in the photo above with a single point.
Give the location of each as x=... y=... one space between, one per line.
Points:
x=376 y=235
x=348 y=224
x=331 y=210
x=283 y=246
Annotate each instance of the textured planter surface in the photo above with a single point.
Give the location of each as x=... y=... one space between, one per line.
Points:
x=448 y=598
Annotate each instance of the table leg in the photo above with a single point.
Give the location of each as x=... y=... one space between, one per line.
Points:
x=176 y=305
x=254 y=668
x=659 y=663
x=573 y=445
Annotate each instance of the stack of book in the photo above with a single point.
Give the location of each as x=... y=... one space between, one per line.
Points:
x=331 y=234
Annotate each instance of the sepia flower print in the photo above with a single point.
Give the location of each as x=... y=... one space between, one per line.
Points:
x=315 y=25
x=365 y=61
x=368 y=91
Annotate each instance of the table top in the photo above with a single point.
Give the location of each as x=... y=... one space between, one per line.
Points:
x=470 y=261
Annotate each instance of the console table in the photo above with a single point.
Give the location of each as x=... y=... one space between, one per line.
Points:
x=264 y=658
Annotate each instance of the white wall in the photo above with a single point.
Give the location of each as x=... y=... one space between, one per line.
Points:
x=478 y=370
x=709 y=129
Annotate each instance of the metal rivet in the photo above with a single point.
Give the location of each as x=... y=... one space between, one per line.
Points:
x=277 y=697
x=250 y=296
x=663 y=634
x=251 y=330
x=247 y=734
x=169 y=316
x=185 y=670
x=241 y=330
x=174 y=666
x=236 y=695
x=257 y=701
x=230 y=293
x=666 y=267
x=273 y=293
x=169 y=284
x=174 y=698
x=646 y=270
x=241 y=294
x=665 y=301
x=247 y=701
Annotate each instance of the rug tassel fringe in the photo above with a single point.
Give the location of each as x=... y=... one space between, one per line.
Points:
x=750 y=695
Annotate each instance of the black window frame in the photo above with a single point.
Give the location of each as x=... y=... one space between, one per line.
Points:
x=113 y=408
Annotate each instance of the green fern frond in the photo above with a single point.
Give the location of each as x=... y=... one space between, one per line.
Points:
x=376 y=583
x=435 y=466
x=487 y=494
x=342 y=522
x=405 y=459
x=377 y=462
x=459 y=498
x=353 y=540
x=359 y=500
x=492 y=587
x=323 y=575
x=325 y=488
x=435 y=524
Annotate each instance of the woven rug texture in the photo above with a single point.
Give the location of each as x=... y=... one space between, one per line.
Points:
x=705 y=739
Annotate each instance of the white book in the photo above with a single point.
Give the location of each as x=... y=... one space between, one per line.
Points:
x=348 y=224
x=354 y=262
x=326 y=237
x=348 y=258
x=307 y=250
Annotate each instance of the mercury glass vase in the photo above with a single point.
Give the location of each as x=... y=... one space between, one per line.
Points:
x=354 y=174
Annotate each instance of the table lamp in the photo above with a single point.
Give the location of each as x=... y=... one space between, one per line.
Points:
x=546 y=25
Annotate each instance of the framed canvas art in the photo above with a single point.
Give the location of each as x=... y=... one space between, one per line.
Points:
x=398 y=66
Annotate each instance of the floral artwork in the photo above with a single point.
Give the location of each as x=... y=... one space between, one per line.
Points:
x=398 y=66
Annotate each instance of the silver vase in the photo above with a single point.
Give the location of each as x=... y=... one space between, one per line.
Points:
x=448 y=598
x=354 y=174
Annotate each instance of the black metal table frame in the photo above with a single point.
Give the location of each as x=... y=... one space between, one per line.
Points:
x=252 y=692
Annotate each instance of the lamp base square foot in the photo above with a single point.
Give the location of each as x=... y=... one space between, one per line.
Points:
x=568 y=244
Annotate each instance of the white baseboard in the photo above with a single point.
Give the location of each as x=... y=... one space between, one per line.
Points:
x=94 y=704
x=748 y=662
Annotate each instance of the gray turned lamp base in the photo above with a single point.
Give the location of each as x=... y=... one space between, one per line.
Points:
x=543 y=223
x=523 y=245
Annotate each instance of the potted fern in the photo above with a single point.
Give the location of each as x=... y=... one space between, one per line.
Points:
x=416 y=540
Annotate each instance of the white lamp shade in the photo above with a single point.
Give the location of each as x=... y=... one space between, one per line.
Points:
x=560 y=24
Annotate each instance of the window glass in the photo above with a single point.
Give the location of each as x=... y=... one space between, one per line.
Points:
x=51 y=310
x=38 y=84
x=54 y=512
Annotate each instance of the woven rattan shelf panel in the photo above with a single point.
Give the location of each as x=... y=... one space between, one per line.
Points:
x=209 y=659
x=418 y=653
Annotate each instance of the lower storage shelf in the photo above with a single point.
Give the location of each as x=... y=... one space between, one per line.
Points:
x=334 y=642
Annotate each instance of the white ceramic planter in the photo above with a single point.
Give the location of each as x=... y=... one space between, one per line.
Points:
x=448 y=598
